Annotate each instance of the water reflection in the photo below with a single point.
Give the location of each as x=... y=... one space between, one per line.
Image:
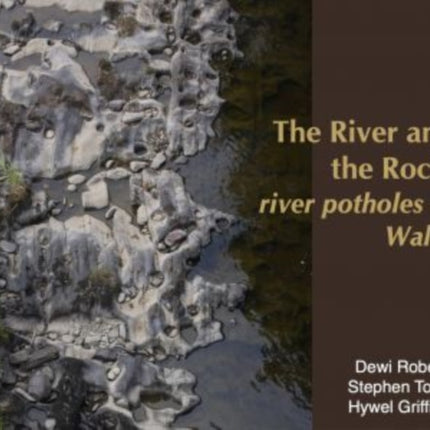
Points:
x=272 y=82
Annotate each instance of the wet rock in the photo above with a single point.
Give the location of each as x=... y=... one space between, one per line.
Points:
x=3 y=283
x=97 y=196
x=39 y=386
x=41 y=357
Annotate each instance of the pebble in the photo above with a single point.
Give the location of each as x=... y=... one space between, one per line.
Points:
x=156 y=279
x=175 y=237
x=158 y=215
x=72 y=188
x=110 y=212
x=11 y=49
x=121 y=298
x=158 y=161
x=141 y=216
x=52 y=336
x=52 y=25
x=56 y=211
x=113 y=373
x=116 y=105
x=76 y=179
x=8 y=247
x=137 y=166
x=49 y=134
x=132 y=117
x=50 y=424
x=121 y=402
x=52 y=204
x=144 y=94
x=139 y=414
x=3 y=283
x=109 y=164
x=171 y=331
x=130 y=347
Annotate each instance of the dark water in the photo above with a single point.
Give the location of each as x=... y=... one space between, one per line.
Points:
x=260 y=376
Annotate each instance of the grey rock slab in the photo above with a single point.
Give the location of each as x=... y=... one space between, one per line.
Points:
x=39 y=386
x=19 y=357
x=41 y=357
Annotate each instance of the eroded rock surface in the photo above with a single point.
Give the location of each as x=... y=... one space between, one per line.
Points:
x=95 y=303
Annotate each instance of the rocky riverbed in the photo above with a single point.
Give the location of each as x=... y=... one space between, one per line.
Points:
x=97 y=293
